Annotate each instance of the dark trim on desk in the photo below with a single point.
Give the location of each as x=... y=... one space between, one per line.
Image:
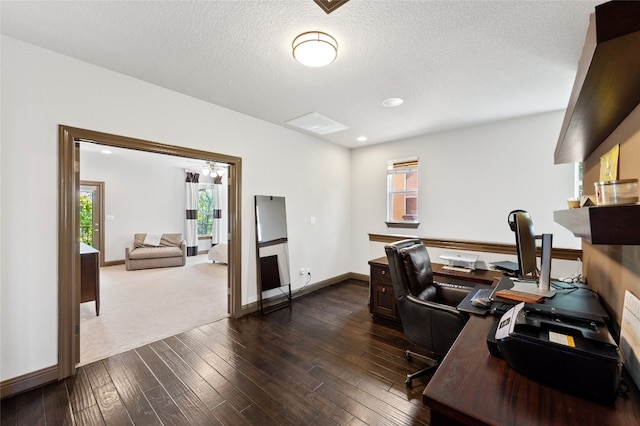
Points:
x=479 y=246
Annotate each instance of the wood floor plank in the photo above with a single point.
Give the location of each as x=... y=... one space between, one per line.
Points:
x=131 y=394
x=80 y=393
x=227 y=415
x=113 y=410
x=382 y=408
x=178 y=347
x=97 y=374
x=144 y=378
x=231 y=394
x=165 y=407
x=30 y=408
x=162 y=372
x=9 y=411
x=56 y=404
x=322 y=361
x=197 y=385
x=195 y=411
x=90 y=416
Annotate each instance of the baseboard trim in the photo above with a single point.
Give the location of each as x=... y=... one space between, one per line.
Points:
x=113 y=262
x=254 y=307
x=28 y=381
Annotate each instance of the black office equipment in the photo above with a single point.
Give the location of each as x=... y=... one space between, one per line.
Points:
x=560 y=348
x=574 y=297
x=506 y=266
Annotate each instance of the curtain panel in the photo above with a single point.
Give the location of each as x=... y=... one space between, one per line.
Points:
x=191 y=217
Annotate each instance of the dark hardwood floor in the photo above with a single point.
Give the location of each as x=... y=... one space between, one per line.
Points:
x=323 y=361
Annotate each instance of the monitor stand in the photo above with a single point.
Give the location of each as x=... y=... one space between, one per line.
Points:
x=544 y=284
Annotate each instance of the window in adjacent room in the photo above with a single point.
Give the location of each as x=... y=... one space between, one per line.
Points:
x=205 y=208
x=402 y=193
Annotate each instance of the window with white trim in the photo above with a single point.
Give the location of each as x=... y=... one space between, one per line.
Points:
x=402 y=192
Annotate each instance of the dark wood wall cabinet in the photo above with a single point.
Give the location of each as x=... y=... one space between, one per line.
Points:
x=605 y=92
x=607 y=87
x=382 y=300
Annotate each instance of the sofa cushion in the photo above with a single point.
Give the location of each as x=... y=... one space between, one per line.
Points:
x=154 y=252
x=167 y=240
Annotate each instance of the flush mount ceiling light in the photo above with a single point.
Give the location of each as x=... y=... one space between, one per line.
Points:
x=315 y=49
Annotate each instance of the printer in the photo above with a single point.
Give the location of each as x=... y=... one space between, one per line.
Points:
x=571 y=351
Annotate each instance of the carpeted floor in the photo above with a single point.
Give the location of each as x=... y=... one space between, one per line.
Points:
x=139 y=307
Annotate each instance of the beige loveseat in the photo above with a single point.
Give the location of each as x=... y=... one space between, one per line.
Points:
x=155 y=251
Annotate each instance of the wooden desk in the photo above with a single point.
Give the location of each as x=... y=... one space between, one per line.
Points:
x=90 y=275
x=472 y=387
x=382 y=301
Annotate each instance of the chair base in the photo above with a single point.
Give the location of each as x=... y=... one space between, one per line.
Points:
x=409 y=355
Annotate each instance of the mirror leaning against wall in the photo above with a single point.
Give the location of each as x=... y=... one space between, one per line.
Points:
x=272 y=253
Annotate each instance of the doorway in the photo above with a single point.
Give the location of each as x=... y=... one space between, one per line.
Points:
x=91 y=205
x=69 y=229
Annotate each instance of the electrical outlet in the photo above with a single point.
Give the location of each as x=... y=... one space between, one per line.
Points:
x=308 y=271
x=303 y=271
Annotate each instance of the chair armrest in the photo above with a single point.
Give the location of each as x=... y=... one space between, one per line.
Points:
x=451 y=294
x=433 y=326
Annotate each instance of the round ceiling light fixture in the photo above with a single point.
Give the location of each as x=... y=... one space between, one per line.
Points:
x=392 y=102
x=315 y=49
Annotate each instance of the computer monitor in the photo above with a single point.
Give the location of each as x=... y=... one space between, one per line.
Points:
x=527 y=260
x=526 y=245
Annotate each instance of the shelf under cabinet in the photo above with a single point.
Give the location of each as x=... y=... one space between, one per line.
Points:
x=613 y=225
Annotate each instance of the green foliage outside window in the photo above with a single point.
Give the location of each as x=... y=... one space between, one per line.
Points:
x=86 y=218
x=205 y=209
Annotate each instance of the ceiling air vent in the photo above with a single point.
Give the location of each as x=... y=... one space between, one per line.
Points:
x=316 y=123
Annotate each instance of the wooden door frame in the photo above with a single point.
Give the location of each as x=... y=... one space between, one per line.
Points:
x=69 y=222
x=100 y=186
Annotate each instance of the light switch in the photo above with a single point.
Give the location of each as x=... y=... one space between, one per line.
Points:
x=313 y=220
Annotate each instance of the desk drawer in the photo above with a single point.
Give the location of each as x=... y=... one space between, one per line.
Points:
x=383 y=301
x=380 y=274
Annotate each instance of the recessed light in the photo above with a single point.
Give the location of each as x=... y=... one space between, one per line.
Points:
x=362 y=139
x=106 y=151
x=392 y=102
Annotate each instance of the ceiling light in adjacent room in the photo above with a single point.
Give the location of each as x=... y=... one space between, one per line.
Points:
x=362 y=139
x=315 y=49
x=392 y=102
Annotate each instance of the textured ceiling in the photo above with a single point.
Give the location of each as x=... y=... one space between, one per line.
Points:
x=455 y=63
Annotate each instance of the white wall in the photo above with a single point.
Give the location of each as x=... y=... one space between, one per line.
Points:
x=42 y=89
x=470 y=179
x=140 y=197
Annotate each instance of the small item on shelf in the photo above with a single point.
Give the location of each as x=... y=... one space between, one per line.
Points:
x=616 y=192
x=573 y=203
x=587 y=200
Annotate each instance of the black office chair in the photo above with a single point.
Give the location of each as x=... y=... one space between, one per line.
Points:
x=427 y=308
